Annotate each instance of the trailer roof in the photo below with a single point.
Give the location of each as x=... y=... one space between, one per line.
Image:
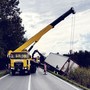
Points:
x=56 y=59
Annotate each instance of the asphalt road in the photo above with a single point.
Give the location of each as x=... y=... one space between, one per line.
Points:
x=14 y=83
x=36 y=81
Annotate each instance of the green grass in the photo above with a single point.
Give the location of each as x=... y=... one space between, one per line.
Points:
x=81 y=76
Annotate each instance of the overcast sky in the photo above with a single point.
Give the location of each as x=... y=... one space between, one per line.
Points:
x=36 y=14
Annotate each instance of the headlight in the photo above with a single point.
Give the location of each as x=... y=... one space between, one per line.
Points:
x=25 y=68
x=12 y=68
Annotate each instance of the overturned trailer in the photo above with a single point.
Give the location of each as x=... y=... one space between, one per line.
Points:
x=65 y=64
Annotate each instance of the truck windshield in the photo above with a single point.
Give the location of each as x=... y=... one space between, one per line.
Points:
x=19 y=55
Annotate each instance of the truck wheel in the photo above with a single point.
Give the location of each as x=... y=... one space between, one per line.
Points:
x=33 y=69
x=13 y=72
x=28 y=72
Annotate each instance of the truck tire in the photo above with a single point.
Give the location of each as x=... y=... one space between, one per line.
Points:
x=28 y=72
x=13 y=72
x=33 y=69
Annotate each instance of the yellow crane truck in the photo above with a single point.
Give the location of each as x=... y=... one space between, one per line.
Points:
x=20 y=60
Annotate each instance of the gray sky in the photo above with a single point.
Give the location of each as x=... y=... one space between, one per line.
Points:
x=37 y=14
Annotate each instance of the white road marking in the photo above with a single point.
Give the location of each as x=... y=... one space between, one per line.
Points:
x=29 y=83
x=3 y=76
x=76 y=88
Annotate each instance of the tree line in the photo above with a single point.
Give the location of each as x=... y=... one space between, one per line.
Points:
x=11 y=29
x=82 y=58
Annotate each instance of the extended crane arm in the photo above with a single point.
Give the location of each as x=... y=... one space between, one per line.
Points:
x=36 y=37
x=42 y=57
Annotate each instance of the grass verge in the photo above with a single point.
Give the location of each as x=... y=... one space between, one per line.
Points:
x=3 y=72
x=70 y=81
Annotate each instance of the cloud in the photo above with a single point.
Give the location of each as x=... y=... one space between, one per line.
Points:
x=86 y=41
x=38 y=14
x=54 y=6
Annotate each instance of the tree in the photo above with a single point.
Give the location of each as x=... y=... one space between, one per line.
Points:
x=82 y=58
x=11 y=29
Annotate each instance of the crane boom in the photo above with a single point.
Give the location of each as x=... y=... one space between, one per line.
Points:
x=36 y=37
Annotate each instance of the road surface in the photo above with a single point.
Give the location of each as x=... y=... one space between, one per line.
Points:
x=36 y=81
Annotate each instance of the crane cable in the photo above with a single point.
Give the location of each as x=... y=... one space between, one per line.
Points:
x=72 y=33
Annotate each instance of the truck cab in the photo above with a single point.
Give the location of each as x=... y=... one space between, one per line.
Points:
x=20 y=62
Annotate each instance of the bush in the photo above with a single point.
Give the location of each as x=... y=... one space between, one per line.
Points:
x=81 y=76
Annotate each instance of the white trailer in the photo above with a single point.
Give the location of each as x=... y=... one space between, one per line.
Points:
x=63 y=62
